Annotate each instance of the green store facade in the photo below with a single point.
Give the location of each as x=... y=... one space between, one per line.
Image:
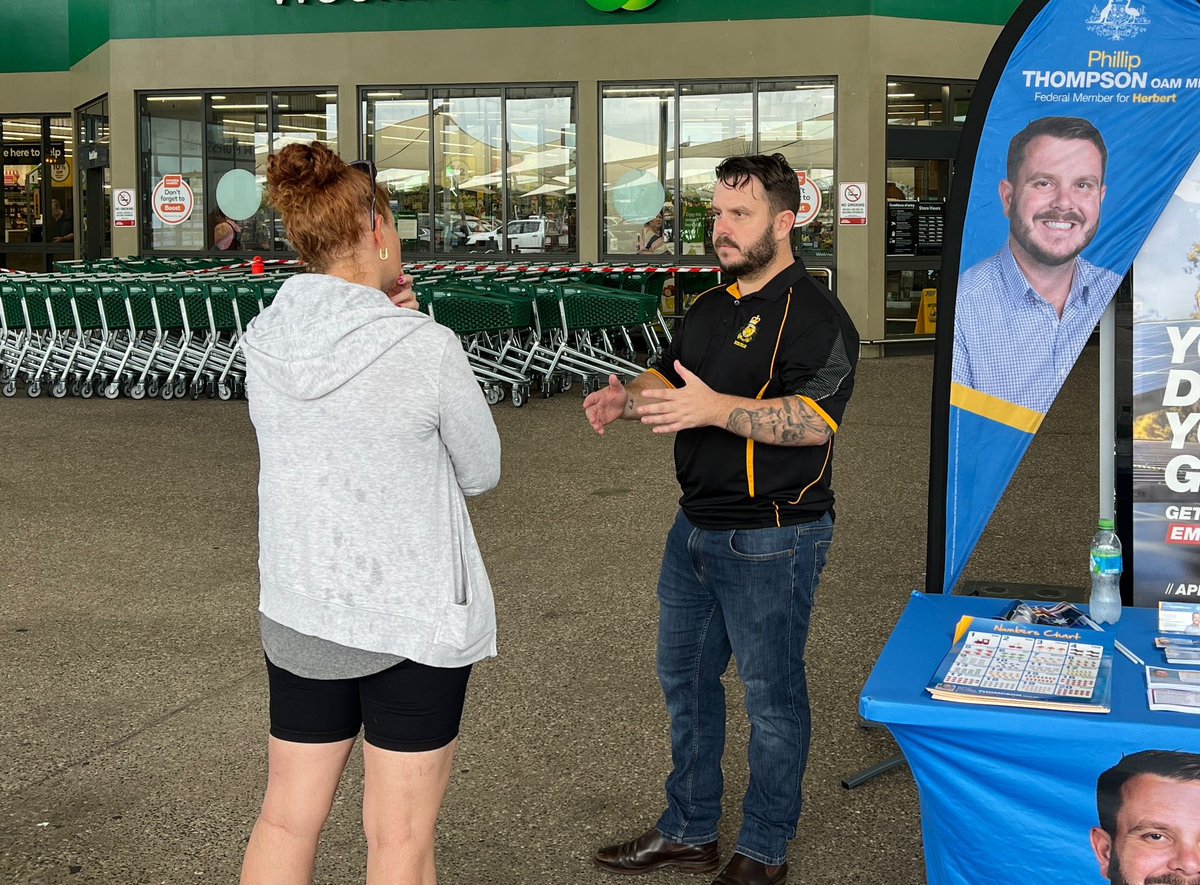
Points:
x=501 y=128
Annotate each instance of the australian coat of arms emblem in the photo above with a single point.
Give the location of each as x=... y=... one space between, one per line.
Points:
x=1117 y=19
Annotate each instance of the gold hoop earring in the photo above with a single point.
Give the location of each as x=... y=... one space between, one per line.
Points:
x=383 y=254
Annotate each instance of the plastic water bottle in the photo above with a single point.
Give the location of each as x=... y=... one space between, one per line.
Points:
x=1104 y=603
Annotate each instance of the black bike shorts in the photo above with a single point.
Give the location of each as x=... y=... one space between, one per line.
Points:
x=409 y=707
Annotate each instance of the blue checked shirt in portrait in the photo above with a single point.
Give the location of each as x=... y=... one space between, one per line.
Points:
x=1009 y=341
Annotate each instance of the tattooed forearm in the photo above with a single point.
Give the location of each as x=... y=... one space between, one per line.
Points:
x=783 y=422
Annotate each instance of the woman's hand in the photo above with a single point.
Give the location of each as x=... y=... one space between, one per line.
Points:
x=402 y=294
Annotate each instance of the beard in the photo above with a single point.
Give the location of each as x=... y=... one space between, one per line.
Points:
x=1023 y=232
x=1116 y=877
x=752 y=260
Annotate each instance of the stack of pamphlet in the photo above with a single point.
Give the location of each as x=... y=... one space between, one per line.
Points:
x=1022 y=663
x=1177 y=690
x=1179 y=632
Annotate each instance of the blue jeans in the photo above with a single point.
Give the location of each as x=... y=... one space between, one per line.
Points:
x=748 y=593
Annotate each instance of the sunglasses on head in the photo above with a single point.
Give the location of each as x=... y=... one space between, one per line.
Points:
x=368 y=169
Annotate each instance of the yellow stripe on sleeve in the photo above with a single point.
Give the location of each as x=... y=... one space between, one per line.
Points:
x=995 y=409
x=812 y=404
x=750 y=465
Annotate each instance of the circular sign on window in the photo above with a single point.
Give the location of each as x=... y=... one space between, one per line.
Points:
x=637 y=196
x=810 y=200
x=239 y=194
x=172 y=200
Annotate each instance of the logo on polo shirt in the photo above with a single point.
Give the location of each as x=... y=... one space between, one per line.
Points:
x=747 y=334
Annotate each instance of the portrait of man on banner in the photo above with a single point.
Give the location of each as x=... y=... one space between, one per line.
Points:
x=1023 y=315
x=1148 y=805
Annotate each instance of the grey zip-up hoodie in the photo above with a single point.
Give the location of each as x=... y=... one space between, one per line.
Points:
x=371 y=429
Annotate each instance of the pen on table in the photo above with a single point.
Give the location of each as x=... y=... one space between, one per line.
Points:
x=1123 y=650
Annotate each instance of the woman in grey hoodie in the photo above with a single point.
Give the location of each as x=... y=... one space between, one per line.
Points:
x=374 y=602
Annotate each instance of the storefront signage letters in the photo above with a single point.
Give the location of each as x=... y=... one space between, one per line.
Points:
x=172 y=200
x=852 y=202
x=31 y=154
x=124 y=207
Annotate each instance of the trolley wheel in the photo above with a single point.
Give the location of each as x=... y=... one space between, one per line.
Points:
x=33 y=389
x=181 y=388
x=564 y=383
x=493 y=393
x=86 y=390
x=10 y=388
x=152 y=387
x=224 y=391
x=137 y=391
x=167 y=391
x=239 y=388
x=112 y=390
x=59 y=389
x=520 y=395
x=197 y=388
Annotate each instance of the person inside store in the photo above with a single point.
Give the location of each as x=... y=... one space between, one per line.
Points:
x=1149 y=810
x=1023 y=315
x=227 y=233
x=651 y=240
x=753 y=386
x=374 y=601
x=60 y=226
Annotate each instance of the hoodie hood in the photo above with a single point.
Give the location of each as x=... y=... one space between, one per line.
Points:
x=321 y=331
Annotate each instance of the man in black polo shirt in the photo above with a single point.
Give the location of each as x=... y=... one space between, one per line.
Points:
x=754 y=386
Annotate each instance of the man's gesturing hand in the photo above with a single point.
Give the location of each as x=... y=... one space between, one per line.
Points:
x=693 y=405
x=606 y=405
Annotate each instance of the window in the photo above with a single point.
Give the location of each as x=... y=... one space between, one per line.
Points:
x=657 y=196
x=37 y=155
x=463 y=165
x=204 y=165
x=927 y=102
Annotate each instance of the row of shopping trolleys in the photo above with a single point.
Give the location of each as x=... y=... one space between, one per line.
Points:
x=127 y=336
x=172 y=336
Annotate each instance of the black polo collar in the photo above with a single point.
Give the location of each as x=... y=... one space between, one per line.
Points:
x=778 y=284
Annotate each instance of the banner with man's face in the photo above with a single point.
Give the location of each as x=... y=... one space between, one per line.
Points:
x=1084 y=122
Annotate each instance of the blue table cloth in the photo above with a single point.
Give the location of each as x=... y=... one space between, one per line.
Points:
x=1009 y=794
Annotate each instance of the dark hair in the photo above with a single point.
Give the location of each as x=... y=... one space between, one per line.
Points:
x=778 y=180
x=1174 y=766
x=1055 y=127
x=324 y=203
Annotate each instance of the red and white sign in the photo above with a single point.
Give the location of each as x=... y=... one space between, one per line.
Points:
x=852 y=202
x=810 y=200
x=172 y=200
x=124 y=207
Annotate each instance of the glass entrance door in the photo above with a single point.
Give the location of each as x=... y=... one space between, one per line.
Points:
x=95 y=198
x=37 y=155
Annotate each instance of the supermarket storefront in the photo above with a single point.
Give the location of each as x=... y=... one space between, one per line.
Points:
x=562 y=132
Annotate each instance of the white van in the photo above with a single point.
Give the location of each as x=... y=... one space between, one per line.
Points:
x=523 y=235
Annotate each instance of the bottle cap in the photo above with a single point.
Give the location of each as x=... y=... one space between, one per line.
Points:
x=1106 y=524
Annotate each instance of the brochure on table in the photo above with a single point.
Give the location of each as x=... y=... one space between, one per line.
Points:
x=1012 y=664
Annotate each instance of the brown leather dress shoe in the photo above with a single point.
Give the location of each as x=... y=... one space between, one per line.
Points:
x=650 y=852
x=741 y=870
